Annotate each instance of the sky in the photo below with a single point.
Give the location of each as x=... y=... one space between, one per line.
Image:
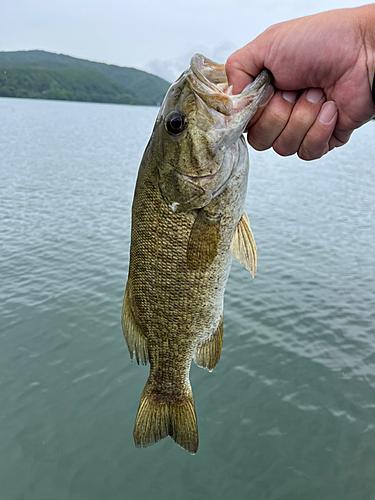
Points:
x=155 y=36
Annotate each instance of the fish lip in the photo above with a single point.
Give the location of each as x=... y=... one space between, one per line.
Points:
x=265 y=77
x=198 y=62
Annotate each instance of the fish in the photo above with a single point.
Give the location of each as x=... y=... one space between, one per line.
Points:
x=188 y=220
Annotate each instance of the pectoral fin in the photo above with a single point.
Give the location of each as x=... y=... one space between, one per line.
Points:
x=243 y=245
x=203 y=241
x=135 y=340
x=208 y=354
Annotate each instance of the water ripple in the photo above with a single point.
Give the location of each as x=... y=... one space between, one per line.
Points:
x=289 y=410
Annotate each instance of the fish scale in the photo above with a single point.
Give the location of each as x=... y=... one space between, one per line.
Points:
x=180 y=256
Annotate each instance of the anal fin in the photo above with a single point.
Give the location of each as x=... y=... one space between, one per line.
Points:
x=243 y=246
x=208 y=354
x=135 y=340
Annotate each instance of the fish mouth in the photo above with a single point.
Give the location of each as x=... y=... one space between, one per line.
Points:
x=209 y=81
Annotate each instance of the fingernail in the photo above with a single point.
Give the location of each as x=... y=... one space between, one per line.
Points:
x=327 y=113
x=290 y=96
x=314 y=95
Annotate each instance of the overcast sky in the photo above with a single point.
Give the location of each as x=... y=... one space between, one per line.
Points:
x=157 y=36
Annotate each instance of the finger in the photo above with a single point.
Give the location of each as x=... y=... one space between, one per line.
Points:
x=267 y=96
x=266 y=99
x=339 y=138
x=303 y=116
x=237 y=76
x=243 y=66
x=271 y=120
x=316 y=142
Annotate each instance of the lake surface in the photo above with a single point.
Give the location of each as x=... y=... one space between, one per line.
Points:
x=288 y=413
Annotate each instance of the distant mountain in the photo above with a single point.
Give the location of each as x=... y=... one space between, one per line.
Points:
x=44 y=75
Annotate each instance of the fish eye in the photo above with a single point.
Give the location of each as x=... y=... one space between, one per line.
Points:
x=175 y=123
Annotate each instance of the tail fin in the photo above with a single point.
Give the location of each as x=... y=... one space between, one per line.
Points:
x=162 y=416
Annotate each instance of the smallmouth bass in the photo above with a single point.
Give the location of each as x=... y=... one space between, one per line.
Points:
x=188 y=221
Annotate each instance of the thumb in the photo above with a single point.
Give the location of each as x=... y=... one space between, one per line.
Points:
x=243 y=66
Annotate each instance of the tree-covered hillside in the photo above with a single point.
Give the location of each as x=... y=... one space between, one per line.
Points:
x=44 y=75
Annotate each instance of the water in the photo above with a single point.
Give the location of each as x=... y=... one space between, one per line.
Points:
x=288 y=413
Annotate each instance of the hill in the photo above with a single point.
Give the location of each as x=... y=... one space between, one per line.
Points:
x=45 y=75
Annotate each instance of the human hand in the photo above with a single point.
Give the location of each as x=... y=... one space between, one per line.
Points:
x=323 y=68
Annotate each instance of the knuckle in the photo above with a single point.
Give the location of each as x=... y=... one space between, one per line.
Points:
x=340 y=142
x=316 y=143
x=335 y=142
x=231 y=62
x=265 y=133
x=302 y=118
x=271 y=29
x=282 y=149
x=306 y=156
x=268 y=126
x=279 y=118
x=312 y=151
x=257 y=143
x=235 y=63
x=287 y=144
